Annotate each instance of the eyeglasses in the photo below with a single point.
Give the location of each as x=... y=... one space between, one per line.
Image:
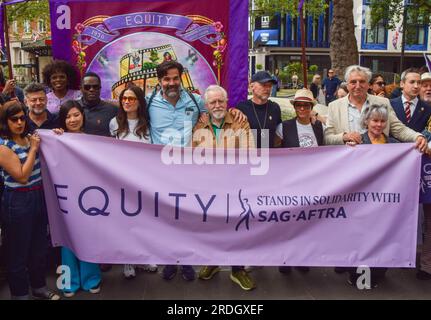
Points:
x=89 y=86
x=16 y=119
x=129 y=99
x=380 y=84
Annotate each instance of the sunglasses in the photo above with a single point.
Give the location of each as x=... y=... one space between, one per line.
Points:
x=90 y=86
x=380 y=84
x=16 y=119
x=129 y=99
x=304 y=107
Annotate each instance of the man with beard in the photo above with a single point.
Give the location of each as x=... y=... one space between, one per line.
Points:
x=98 y=113
x=38 y=116
x=425 y=90
x=173 y=114
x=223 y=131
x=263 y=115
x=424 y=268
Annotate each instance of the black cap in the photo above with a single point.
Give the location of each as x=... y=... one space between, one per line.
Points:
x=263 y=77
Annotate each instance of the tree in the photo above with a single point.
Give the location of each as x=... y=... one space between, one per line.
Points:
x=343 y=45
x=392 y=12
x=29 y=10
x=343 y=48
x=312 y=8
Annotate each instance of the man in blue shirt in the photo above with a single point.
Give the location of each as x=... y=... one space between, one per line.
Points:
x=330 y=85
x=173 y=114
x=173 y=110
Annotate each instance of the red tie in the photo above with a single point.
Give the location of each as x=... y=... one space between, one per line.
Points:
x=408 y=114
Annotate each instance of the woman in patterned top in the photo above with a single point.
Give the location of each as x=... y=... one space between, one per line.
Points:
x=24 y=215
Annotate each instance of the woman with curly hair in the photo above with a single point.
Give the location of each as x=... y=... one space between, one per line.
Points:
x=60 y=77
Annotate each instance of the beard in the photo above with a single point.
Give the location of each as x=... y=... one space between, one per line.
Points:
x=37 y=112
x=219 y=114
x=172 y=92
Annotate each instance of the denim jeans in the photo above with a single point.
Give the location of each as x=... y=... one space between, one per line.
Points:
x=25 y=227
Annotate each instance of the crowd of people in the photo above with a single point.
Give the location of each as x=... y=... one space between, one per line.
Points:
x=358 y=112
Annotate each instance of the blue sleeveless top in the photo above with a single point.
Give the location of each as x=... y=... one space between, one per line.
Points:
x=35 y=178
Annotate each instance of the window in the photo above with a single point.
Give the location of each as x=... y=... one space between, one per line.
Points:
x=374 y=35
x=41 y=26
x=15 y=27
x=374 y=38
x=27 y=27
x=416 y=33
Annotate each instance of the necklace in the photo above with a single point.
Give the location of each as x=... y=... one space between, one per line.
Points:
x=262 y=133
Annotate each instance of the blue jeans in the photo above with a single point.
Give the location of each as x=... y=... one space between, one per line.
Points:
x=25 y=229
x=83 y=274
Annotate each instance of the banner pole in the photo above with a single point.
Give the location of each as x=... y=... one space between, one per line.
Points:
x=6 y=31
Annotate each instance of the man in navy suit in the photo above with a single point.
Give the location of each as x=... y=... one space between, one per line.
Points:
x=410 y=109
x=415 y=113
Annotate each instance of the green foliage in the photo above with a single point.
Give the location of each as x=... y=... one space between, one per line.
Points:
x=149 y=65
x=259 y=67
x=154 y=57
x=30 y=10
x=313 y=68
x=283 y=76
x=293 y=67
x=391 y=11
x=312 y=8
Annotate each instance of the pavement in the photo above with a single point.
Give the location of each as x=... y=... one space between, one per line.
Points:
x=318 y=284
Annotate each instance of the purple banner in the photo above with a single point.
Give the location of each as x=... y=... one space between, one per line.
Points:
x=124 y=43
x=328 y=206
x=425 y=194
x=106 y=32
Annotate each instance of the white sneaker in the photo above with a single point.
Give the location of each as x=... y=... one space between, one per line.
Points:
x=129 y=271
x=148 y=267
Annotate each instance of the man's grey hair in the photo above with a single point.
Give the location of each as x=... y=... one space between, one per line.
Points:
x=356 y=68
x=215 y=88
x=34 y=87
x=374 y=111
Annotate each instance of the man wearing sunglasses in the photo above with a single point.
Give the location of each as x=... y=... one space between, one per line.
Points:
x=98 y=113
x=38 y=116
x=410 y=109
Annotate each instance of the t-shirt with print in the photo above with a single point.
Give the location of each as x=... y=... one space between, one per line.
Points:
x=306 y=135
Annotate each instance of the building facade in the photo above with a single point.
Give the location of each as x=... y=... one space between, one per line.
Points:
x=276 y=41
x=30 y=49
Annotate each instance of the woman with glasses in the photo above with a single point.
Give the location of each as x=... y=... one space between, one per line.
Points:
x=132 y=124
x=300 y=132
x=60 y=77
x=83 y=274
x=377 y=85
x=24 y=217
